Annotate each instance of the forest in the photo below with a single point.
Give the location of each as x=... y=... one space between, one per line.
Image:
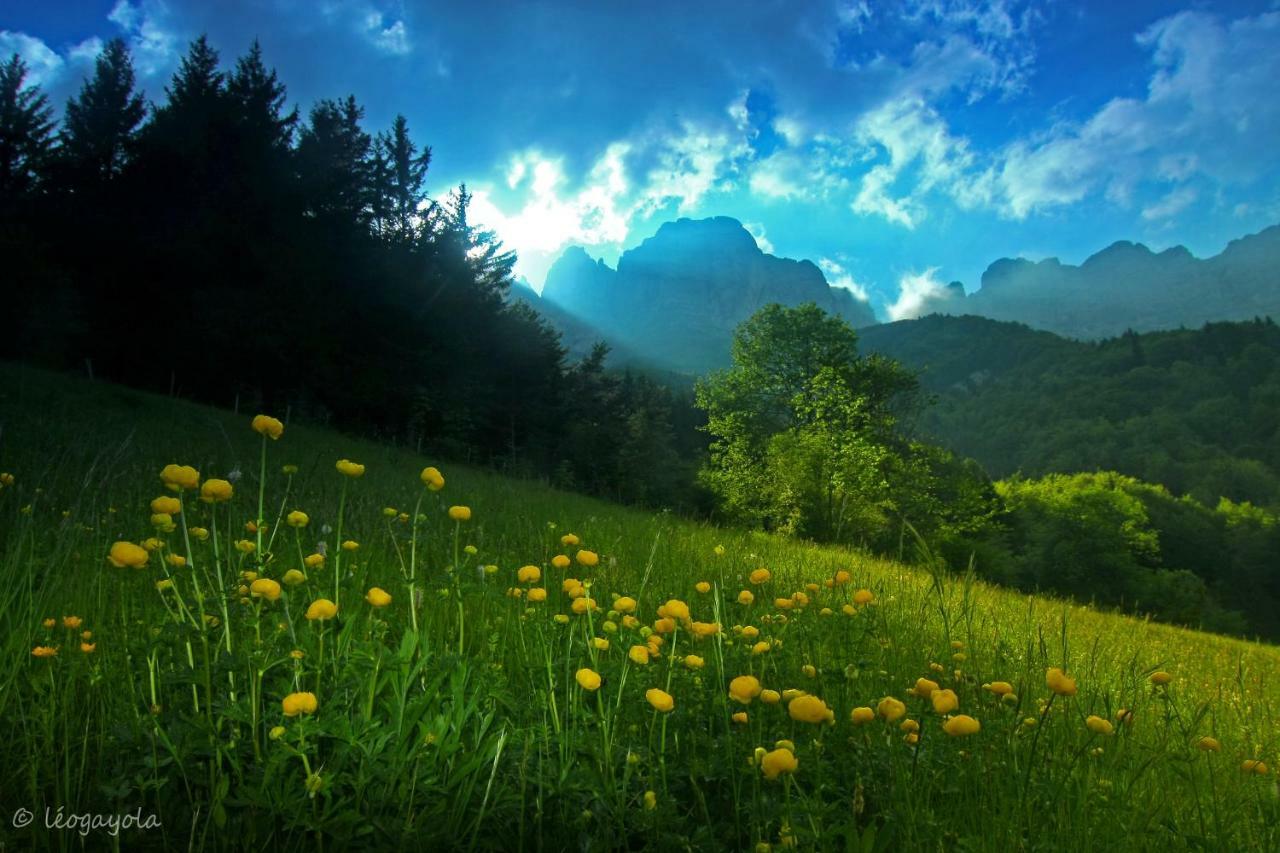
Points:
x=226 y=248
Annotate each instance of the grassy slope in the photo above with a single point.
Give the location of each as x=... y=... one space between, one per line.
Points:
x=86 y=457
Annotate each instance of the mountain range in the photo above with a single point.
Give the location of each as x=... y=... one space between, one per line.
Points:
x=673 y=302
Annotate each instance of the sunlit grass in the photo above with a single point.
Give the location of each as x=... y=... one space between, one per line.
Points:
x=546 y=671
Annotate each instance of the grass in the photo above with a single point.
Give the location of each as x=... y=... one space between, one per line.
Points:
x=472 y=731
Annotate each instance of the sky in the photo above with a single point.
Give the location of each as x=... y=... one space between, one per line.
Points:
x=899 y=146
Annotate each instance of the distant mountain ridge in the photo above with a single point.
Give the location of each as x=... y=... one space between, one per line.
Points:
x=1127 y=286
x=676 y=299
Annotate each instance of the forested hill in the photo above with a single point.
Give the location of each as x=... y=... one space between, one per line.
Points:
x=1195 y=410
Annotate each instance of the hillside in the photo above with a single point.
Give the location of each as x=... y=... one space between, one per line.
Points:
x=1196 y=410
x=675 y=299
x=1127 y=286
x=443 y=723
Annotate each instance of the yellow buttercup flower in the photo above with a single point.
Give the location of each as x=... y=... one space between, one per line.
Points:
x=460 y=513
x=322 y=608
x=377 y=597
x=265 y=588
x=944 y=701
x=588 y=558
x=1208 y=744
x=199 y=533
x=162 y=521
x=560 y=561
x=349 y=468
x=244 y=546
x=746 y=597
x=432 y=478
x=702 y=586
x=44 y=651
x=694 y=661
x=639 y=655
x=88 y=648
x=537 y=594
x=163 y=584
x=760 y=576
x=167 y=505
x=268 y=426
x=312 y=561
x=924 y=688
x=176 y=560
x=582 y=605
x=770 y=697
x=298 y=518
x=1161 y=678
x=1000 y=688
x=289 y=470
x=891 y=709
x=350 y=545
x=650 y=801
x=299 y=703
x=293 y=577
x=863 y=596
x=569 y=540
x=529 y=574
x=809 y=709
x=744 y=688
x=50 y=622
x=588 y=679
x=961 y=725
x=216 y=491
x=71 y=622
x=179 y=477
x=675 y=609
x=861 y=715
x=661 y=700
x=1098 y=725
x=1059 y=682
x=809 y=671
x=740 y=717
x=842 y=577
x=1255 y=765
x=124 y=554
x=778 y=762
x=702 y=630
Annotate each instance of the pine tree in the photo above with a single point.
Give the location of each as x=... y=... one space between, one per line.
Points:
x=102 y=121
x=25 y=127
x=259 y=99
x=334 y=158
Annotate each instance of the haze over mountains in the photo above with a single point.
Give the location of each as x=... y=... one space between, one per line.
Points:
x=674 y=301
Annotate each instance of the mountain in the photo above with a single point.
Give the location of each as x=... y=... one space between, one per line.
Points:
x=1196 y=410
x=1127 y=286
x=676 y=299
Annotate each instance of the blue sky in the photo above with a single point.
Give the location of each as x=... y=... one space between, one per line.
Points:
x=898 y=145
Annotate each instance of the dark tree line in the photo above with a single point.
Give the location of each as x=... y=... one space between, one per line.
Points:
x=223 y=246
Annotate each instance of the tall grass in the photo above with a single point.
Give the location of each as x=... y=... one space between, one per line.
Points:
x=453 y=718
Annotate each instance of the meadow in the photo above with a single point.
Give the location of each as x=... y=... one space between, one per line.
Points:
x=273 y=636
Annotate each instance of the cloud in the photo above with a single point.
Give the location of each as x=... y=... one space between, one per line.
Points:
x=390 y=38
x=1176 y=201
x=43 y=62
x=838 y=276
x=918 y=294
x=757 y=232
x=688 y=166
x=145 y=25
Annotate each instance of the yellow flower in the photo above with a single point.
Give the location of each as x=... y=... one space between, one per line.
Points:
x=746 y=597
x=289 y=470
x=6 y=479
x=176 y=560
x=639 y=655
x=162 y=521
x=529 y=574
x=961 y=725
x=924 y=688
x=265 y=588
x=460 y=513
x=199 y=533
x=299 y=703
x=675 y=609
x=276 y=732
x=179 y=477
x=244 y=546
x=1000 y=688
x=349 y=468
x=842 y=577
x=163 y=584
x=1254 y=765
x=88 y=648
x=377 y=597
x=1161 y=678
x=740 y=717
x=537 y=594
x=861 y=715
x=770 y=697
x=298 y=518
x=944 y=701
x=718 y=550
x=582 y=605
x=600 y=644
x=760 y=576
x=588 y=679
x=432 y=478
x=268 y=426
x=778 y=762
x=664 y=626
x=660 y=699
x=569 y=540
x=124 y=554
x=151 y=543
x=1208 y=744
x=694 y=661
x=560 y=561
x=909 y=726
x=1099 y=726
x=322 y=608
x=1059 y=682
x=311 y=561
x=650 y=801
x=216 y=491
x=167 y=505
x=702 y=586
x=293 y=577
x=744 y=688
x=809 y=671
x=562 y=618
x=588 y=558
x=891 y=709
x=702 y=630
x=351 y=545
x=863 y=596
x=809 y=709
x=761 y=648
x=44 y=651
x=50 y=622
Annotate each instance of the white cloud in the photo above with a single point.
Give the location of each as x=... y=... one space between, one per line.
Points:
x=390 y=38
x=838 y=276
x=1176 y=201
x=154 y=46
x=916 y=293
x=689 y=166
x=43 y=62
x=757 y=232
